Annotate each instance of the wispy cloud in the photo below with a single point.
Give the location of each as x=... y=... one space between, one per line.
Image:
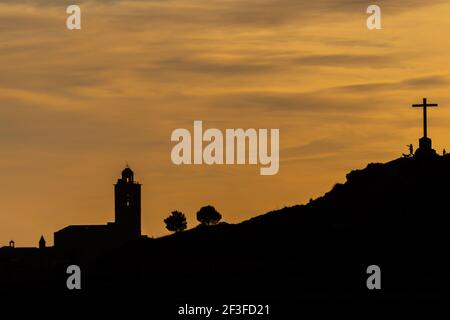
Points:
x=436 y=81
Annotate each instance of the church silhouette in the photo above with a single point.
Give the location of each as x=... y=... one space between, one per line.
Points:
x=91 y=240
x=126 y=227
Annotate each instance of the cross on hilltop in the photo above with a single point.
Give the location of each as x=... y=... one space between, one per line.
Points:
x=424 y=105
x=425 y=142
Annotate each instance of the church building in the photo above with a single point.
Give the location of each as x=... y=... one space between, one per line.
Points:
x=126 y=227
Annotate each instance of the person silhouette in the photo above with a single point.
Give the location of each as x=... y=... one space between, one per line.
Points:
x=411 y=151
x=444 y=152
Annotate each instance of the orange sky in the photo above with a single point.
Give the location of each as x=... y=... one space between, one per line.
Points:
x=75 y=106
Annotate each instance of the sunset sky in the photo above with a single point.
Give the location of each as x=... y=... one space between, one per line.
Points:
x=76 y=106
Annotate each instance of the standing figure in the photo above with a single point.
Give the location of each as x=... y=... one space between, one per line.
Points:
x=411 y=151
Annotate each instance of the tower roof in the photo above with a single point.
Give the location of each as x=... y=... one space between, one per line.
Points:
x=127 y=171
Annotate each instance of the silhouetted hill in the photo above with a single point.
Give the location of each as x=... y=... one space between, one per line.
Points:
x=394 y=215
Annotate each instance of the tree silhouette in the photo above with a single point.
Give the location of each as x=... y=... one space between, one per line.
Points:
x=208 y=215
x=176 y=222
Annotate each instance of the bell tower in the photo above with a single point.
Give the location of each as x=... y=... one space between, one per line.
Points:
x=127 y=197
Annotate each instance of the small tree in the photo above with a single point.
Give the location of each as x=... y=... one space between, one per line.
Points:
x=208 y=216
x=176 y=222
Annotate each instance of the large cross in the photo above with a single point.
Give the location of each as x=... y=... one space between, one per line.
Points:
x=424 y=105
